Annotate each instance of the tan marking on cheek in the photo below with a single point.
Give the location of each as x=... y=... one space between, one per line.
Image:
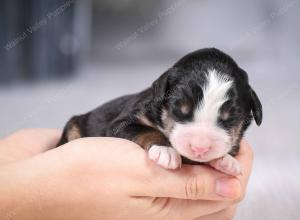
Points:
x=235 y=133
x=73 y=132
x=147 y=139
x=168 y=122
x=144 y=120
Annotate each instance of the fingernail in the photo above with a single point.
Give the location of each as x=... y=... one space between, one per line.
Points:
x=228 y=187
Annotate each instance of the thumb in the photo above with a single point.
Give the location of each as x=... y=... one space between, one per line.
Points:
x=193 y=183
x=26 y=143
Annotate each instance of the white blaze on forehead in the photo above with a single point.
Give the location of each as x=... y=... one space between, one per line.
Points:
x=203 y=131
x=214 y=96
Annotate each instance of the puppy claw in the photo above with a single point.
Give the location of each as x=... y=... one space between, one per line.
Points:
x=166 y=157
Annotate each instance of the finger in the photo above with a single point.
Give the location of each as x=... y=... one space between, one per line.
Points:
x=191 y=209
x=227 y=164
x=227 y=213
x=190 y=182
x=201 y=182
x=245 y=157
x=27 y=143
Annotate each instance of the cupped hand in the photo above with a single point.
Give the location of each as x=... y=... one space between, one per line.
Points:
x=108 y=178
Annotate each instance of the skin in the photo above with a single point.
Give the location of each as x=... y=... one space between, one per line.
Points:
x=97 y=178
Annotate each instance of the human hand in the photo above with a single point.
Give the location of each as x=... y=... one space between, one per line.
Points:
x=245 y=155
x=105 y=178
x=26 y=143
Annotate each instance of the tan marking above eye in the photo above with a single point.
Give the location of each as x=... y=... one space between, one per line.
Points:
x=225 y=116
x=185 y=108
x=143 y=118
x=235 y=133
x=168 y=122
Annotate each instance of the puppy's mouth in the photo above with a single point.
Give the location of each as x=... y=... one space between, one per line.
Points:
x=203 y=158
x=212 y=154
x=200 y=157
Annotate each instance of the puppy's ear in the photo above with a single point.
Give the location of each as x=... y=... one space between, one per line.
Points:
x=256 y=107
x=160 y=87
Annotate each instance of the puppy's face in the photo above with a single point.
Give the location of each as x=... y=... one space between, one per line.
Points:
x=207 y=105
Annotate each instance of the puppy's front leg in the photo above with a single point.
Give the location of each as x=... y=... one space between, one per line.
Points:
x=164 y=156
x=227 y=164
x=159 y=149
x=158 y=146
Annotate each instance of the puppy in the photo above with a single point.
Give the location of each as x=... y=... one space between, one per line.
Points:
x=196 y=112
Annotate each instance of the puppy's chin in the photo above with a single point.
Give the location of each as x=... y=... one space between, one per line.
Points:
x=214 y=153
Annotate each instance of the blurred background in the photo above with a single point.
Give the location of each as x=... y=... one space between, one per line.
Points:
x=60 y=58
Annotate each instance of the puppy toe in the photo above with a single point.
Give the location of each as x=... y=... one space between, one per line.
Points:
x=154 y=152
x=228 y=165
x=165 y=157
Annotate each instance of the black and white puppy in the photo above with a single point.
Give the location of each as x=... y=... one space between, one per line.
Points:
x=197 y=111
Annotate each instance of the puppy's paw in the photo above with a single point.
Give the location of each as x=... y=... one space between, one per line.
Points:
x=166 y=157
x=228 y=165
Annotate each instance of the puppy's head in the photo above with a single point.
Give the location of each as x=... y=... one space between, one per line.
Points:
x=206 y=104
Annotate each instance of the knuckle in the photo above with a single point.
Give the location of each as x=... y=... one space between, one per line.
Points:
x=195 y=187
x=229 y=213
x=239 y=198
x=248 y=149
x=249 y=152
